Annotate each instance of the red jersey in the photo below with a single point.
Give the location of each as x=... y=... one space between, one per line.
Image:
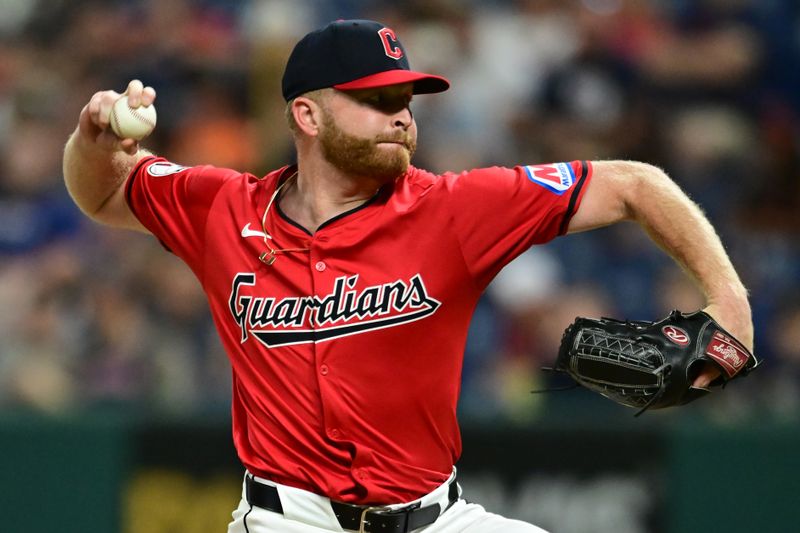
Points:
x=347 y=352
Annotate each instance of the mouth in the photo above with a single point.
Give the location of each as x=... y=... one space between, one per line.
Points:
x=399 y=143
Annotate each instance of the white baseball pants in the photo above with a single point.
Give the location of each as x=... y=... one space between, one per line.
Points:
x=306 y=512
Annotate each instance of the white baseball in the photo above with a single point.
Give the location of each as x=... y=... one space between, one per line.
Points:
x=132 y=123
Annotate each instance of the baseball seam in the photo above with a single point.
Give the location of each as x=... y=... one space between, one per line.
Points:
x=115 y=122
x=141 y=117
x=114 y=119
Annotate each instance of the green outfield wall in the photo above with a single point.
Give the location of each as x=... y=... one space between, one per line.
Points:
x=110 y=473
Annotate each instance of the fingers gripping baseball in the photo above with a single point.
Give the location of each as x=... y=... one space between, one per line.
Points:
x=95 y=119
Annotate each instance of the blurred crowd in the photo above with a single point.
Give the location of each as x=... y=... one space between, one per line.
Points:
x=707 y=89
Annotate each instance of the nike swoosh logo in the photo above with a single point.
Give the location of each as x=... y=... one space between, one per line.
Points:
x=247 y=232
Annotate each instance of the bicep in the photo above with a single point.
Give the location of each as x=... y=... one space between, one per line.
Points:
x=607 y=195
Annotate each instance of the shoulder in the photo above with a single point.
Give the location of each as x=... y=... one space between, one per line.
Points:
x=158 y=176
x=159 y=167
x=418 y=180
x=423 y=182
x=250 y=188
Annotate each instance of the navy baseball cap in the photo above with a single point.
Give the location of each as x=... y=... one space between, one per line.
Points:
x=353 y=54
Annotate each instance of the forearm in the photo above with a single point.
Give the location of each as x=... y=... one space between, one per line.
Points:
x=624 y=190
x=678 y=225
x=93 y=173
x=97 y=162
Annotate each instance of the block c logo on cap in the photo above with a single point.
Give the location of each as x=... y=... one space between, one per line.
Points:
x=390 y=43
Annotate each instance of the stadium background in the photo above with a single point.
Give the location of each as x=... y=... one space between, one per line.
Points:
x=114 y=392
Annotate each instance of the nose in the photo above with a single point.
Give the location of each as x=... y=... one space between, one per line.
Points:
x=403 y=118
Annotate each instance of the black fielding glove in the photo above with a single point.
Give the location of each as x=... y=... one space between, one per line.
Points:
x=650 y=365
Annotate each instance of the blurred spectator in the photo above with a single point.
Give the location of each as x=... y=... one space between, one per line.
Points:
x=709 y=90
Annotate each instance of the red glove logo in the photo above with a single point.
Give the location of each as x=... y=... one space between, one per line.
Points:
x=676 y=335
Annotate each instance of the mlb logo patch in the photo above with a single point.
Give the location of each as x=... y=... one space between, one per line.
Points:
x=161 y=169
x=557 y=177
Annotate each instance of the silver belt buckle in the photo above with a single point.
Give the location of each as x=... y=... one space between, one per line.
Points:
x=362 y=523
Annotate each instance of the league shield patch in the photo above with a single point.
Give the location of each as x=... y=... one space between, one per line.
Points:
x=557 y=177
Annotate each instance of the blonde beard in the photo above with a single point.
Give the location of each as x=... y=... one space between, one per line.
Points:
x=359 y=156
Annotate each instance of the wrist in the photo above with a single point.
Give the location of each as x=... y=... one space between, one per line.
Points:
x=732 y=311
x=732 y=295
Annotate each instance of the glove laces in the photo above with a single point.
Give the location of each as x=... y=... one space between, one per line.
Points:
x=660 y=371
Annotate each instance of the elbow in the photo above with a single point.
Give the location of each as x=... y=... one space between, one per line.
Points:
x=627 y=184
x=93 y=207
x=645 y=175
x=97 y=211
x=644 y=183
x=625 y=191
x=88 y=205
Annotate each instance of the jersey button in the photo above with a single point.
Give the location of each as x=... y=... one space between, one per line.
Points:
x=320 y=266
x=323 y=370
x=335 y=433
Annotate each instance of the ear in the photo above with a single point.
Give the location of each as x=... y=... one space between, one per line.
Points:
x=307 y=115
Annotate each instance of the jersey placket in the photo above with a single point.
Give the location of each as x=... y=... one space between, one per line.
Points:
x=322 y=279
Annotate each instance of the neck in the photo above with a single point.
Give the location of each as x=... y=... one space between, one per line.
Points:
x=322 y=192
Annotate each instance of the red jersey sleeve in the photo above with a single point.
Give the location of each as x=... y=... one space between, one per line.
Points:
x=173 y=202
x=498 y=213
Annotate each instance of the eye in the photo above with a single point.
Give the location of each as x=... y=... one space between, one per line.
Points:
x=389 y=103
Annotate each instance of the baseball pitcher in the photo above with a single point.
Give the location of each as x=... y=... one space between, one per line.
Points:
x=342 y=287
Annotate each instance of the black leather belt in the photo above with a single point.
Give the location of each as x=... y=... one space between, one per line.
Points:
x=362 y=518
